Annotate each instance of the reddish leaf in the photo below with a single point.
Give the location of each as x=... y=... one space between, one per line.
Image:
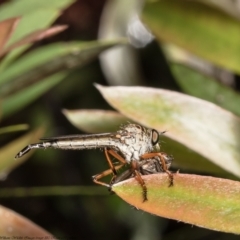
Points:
x=15 y=226
x=6 y=29
x=36 y=36
x=208 y=202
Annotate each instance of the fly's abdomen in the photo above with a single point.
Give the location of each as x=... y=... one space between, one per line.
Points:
x=76 y=143
x=80 y=144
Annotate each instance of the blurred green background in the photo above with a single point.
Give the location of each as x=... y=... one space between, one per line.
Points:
x=196 y=50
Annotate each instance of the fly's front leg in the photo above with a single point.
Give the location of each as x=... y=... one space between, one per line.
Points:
x=164 y=166
x=138 y=177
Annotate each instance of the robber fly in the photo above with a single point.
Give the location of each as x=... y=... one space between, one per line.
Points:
x=130 y=145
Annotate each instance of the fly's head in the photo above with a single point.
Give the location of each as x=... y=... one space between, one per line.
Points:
x=136 y=140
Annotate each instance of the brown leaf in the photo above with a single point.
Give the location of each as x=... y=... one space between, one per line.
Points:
x=6 y=29
x=207 y=202
x=15 y=225
x=36 y=36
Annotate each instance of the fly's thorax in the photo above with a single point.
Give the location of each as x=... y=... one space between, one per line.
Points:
x=134 y=141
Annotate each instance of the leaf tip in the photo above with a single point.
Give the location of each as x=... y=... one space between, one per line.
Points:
x=98 y=86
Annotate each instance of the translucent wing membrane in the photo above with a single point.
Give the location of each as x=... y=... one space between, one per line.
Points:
x=78 y=136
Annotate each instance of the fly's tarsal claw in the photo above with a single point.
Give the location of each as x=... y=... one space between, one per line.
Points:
x=171 y=179
x=110 y=189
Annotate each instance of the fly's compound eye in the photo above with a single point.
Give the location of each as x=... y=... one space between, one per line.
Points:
x=155 y=137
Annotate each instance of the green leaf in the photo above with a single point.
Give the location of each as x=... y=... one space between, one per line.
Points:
x=95 y=121
x=199 y=125
x=30 y=23
x=14 y=128
x=194 y=83
x=32 y=75
x=17 y=226
x=21 y=99
x=197 y=28
x=183 y=159
x=207 y=202
x=24 y=7
x=34 y=16
x=7 y=161
x=48 y=60
x=26 y=26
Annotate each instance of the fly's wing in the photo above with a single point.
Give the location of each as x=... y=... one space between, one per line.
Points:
x=78 y=136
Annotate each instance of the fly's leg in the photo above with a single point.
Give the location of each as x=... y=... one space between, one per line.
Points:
x=138 y=177
x=123 y=176
x=119 y=158
x=104 y=174
x=164 y=167
x=113 y=169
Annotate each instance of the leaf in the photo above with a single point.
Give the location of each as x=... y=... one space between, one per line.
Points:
x=199 y=125
x=19 y=100
x=33 y=17
x=48 y=60
x=7 y=161
x=207 y=202
x=27 y=25
x=183 y=159
x=198 y=29
x=6 y=29
x=24 y=7
x=95 y=121
x=13 y=225
x=30 y=23
x=35 y=36
x=13 y=128
x=194 y=83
